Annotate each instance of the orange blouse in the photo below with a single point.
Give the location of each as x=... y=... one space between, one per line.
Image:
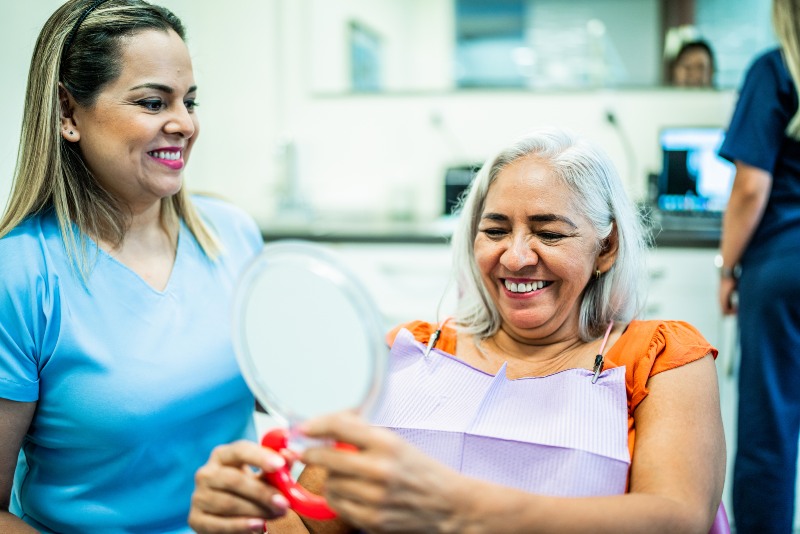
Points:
x=646 y=348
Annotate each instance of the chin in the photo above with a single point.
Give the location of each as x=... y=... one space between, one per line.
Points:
x=525 y=322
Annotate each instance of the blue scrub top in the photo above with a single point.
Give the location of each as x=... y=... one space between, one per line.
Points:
x=757 y=137
x=134 y=386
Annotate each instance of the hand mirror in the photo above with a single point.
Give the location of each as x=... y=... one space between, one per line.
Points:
x=309 y=341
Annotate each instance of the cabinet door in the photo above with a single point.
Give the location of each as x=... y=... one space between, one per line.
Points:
x=408 y=281
x=683 y=286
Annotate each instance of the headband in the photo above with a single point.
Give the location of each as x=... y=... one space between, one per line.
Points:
x=74 y=31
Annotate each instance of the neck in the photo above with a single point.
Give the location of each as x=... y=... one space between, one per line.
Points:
x=546 y=353
x=528 y=358
x=147 y=232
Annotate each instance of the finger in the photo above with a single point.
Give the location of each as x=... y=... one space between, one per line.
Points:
x=365 y=492
x=361 y=465
x=229 y=491
x=244 y=452
x=345 y=427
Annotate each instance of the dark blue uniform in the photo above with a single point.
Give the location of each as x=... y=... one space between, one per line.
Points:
x=769 y=305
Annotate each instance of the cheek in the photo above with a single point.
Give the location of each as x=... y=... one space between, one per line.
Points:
x=486 y=258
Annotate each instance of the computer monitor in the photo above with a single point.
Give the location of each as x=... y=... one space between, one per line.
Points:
x=693 y=177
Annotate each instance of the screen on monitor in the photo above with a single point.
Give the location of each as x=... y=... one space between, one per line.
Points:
x=694 y=177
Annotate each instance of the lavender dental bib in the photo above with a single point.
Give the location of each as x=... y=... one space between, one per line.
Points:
x=557 y=435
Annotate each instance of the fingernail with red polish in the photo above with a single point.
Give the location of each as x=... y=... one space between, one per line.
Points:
x=275 y=461
x=257 y=525
x=280 y=501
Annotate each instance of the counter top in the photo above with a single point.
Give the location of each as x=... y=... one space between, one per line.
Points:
x=360 y=230
x=439 y=231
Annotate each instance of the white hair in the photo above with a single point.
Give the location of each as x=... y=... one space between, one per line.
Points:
x=617 y=295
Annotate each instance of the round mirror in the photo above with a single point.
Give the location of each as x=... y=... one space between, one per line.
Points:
x=307 y=334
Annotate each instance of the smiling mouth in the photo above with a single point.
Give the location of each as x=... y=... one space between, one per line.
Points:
x=528 y=287
x=170 y=155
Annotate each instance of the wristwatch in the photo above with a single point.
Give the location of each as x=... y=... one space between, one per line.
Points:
x=729 y=272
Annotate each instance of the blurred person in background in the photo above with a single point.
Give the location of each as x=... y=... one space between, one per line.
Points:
x=693 y=66
x=760 y=251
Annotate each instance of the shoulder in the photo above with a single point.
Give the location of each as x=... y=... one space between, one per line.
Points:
x=770 y=60
x=422 y=332
x=647 y=348
x=666 y=343
x=218 y=211
x=766 y=103
x=768 y=70
x=661 y=332
x=24 y=250
x=231 y=223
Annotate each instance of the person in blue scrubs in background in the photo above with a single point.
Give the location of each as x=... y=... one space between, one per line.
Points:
x=760 y=249
x=117 y=372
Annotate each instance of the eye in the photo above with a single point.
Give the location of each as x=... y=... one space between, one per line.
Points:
x=191 y=104
x=494 y=233
x=551 y=236
x=151 y=104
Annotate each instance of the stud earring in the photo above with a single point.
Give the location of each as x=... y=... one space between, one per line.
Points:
x=597 y=274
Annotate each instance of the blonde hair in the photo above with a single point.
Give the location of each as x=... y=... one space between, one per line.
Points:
x=617 y=295
x=786 y=21
x=80 y=48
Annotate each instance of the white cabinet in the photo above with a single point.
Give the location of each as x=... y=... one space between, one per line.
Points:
x=408 y=281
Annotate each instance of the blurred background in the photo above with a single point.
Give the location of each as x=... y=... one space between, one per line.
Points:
x=358 y=108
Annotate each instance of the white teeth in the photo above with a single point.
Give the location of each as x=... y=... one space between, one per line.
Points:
x=163 y=154
x=524 y=288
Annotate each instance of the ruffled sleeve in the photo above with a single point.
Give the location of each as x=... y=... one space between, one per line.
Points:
x=651 y=347
x=422 y=332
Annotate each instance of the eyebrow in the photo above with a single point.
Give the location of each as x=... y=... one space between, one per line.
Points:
x=544 y=217
x=161 y=87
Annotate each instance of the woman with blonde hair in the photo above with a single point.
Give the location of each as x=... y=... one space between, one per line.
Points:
x=760 y=248
x=117 y=375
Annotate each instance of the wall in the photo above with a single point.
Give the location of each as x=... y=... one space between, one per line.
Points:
x=416 y=38
x=367 y=155
x=19 y=27
x=235 y=60
x=400 y=145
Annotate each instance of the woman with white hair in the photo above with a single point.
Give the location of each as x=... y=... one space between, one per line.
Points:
x=543 y=406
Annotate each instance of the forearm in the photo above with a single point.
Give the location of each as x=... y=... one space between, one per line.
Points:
x=288 y=524
x=492 y=509
x=744 y=211
x=292 y=523
x=738 y=226
x=11 y=524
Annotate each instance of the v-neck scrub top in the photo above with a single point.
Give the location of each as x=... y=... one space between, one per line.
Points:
x=134 y=386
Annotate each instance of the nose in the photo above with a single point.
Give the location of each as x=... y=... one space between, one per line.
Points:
x=519 y=254
x=181 y=122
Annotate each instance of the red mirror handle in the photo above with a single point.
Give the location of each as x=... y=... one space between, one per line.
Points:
x=301 y=500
